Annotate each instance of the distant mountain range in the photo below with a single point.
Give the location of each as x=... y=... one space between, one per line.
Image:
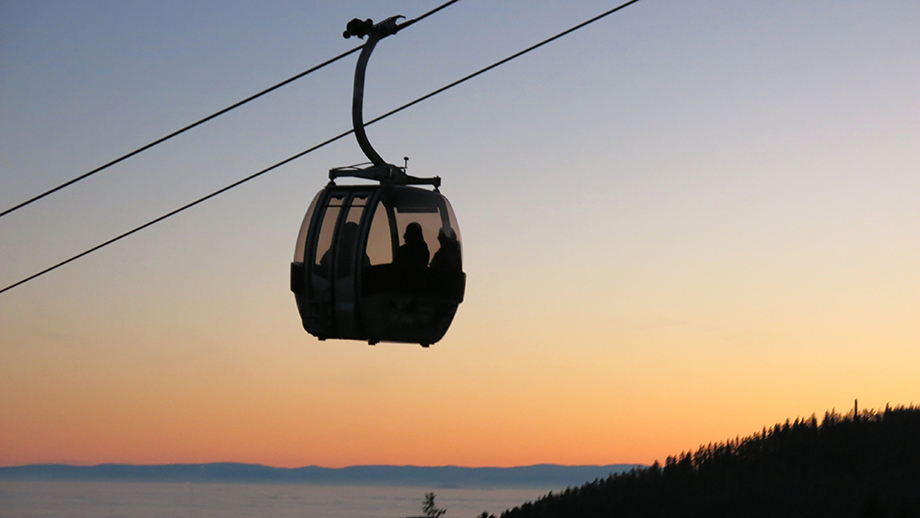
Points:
x=540 y=475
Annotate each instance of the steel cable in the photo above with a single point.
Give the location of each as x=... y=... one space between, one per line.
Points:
x=209 y=117
x=322 y=144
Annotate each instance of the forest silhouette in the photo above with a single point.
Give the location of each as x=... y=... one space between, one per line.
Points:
x=862 y=464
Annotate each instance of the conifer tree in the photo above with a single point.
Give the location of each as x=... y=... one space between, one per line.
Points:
x=428 y=507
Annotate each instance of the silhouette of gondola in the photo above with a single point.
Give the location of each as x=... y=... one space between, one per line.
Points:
x=351 y=276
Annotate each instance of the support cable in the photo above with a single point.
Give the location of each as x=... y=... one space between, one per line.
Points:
x=209 y=117
x=314 y=148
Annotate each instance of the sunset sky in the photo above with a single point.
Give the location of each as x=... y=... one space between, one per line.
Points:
x=681 y=223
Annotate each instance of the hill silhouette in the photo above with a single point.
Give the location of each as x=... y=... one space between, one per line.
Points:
x=862 y=464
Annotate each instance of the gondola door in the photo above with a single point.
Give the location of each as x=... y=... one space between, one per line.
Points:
x=349 y=263
x=311 y=273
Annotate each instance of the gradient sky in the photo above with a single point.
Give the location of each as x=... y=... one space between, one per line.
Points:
x=682 y=223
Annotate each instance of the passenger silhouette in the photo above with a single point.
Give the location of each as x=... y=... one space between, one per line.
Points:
x=344 y=257
x=448 y=256
x=414 y=253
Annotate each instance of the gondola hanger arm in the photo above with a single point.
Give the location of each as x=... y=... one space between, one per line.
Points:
x=381 y=170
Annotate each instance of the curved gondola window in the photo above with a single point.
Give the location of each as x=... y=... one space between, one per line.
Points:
x=323 y=258
x=381 y=240
x=426 y=217
x=301 y=249
x=348 y=239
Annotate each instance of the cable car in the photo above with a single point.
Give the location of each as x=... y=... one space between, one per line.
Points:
x=381 y=263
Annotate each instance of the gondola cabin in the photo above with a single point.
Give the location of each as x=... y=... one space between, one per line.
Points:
x=378 y=263
x=381 y=263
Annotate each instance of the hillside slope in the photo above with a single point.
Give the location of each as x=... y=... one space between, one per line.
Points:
x=854 y=465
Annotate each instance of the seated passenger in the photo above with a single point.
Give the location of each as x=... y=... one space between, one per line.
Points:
x=448 y=256
x=414 y=253
x=343 y=255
